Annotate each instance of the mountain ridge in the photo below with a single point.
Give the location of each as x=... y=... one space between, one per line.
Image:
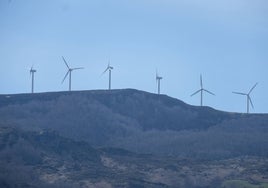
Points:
x=48 y=96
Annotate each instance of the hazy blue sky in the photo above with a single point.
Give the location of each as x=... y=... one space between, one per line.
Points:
x=225 y=40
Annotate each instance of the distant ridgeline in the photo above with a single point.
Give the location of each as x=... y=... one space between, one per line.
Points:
x=138 y=121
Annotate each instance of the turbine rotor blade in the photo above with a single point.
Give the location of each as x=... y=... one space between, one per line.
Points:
x=209 y=92
x=109 y=64
x=239 y=93
x=31 y=69
x=65 y=62
x=105 y=70
x=157 y=76
x=65 y=76
x=253 y=88
x=196 y=92
x=201 y=81
x=78 y=68
x=251 y=102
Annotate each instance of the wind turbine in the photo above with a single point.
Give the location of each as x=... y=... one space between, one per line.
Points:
x=158 y=80
x=69 y=72
x=248 y=97
x=110 y=68
x=32 y=71
x=201 y=91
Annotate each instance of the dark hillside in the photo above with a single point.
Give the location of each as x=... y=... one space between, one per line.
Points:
x=138 y=121
x=44 y=159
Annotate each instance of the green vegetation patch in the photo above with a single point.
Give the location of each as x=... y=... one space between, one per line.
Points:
x=242 y=184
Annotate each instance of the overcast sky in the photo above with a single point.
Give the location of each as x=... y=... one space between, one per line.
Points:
x=225 y=40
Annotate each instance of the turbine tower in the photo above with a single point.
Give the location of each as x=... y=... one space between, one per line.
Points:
x=201 y=91
x=110 y=68
x=248 y=97
x=69 y=72
x=32 y=71
x=158 y=80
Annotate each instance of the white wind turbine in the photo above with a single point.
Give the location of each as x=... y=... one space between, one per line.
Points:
x=69 y=72
x=32 y=71
x=158 y=80
x=201 y=91
x=248 y=97
x=110 y=68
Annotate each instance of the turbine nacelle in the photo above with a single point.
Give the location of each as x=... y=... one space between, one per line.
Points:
x=69 y=72
x=32 y=71
x=158 y=79
x=110 y=68
x=71 y=69
x=201 y=90
x=248 y=96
